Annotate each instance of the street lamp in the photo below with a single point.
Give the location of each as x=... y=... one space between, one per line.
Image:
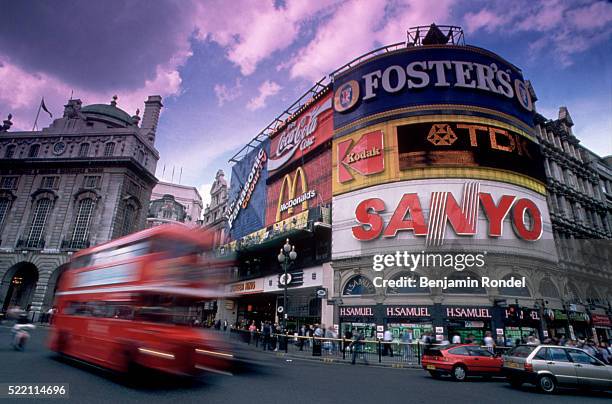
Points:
x=286 y=257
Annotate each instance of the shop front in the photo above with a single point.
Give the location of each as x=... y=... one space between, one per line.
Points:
x=469 y=322
x=557 y=323
x=580 y=324
x=520 y=323
x=602 y=326
x=408 y=323
x=355 y=319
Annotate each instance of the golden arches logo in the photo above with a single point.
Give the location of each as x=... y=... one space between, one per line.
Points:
x=293 y=199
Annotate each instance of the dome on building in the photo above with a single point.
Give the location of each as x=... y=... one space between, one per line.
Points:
x=105 y=111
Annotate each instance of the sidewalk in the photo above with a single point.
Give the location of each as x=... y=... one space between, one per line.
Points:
x=329 y=356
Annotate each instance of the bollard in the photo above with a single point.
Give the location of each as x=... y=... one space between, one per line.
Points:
x=286 y=342
x=343 y=348
x=379 y=352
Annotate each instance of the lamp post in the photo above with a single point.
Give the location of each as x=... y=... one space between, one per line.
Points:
x=286 y=257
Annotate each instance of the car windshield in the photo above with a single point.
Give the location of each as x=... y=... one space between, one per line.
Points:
x=521 y=351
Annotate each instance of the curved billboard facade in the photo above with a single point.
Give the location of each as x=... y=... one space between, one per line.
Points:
x=438 y=188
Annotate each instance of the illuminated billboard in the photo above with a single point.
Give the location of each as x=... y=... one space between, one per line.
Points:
x=247 y=194
x=309 y=130
x=462 y=144
x=421 y=214
x=298 y=190
x=414 y=80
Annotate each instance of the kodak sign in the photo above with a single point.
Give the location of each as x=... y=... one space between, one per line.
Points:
x=364 y=156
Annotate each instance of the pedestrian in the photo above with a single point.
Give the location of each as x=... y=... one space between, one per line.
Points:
x=252 y=331
x=388 y=343
x=224 y=325
x=489 y=342
x=266 y=335
x=348 y=336
x=405 y=341
x=301 y=337
x=356 y=346
x=456 y=339
x=604 y=353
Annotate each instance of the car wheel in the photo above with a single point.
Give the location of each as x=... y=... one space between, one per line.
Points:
x=435 y=375
x=547 y=384
x=459 y=373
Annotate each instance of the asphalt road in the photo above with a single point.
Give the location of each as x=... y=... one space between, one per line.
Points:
x=273 y=380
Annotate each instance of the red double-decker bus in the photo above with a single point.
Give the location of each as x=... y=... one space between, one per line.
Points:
x=130 y=302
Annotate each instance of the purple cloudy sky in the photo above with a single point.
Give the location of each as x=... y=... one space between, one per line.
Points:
x=227 y=68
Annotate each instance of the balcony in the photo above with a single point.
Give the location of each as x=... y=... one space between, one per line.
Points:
x=74 y=244
x=30 y=244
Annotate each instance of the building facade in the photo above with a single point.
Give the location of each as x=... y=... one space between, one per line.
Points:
x=174 y=203
x=84 y=180
x=214 y=216
x=579 y=199
x=436 y=151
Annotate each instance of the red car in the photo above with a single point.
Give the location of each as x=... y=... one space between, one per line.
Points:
x=460 y=361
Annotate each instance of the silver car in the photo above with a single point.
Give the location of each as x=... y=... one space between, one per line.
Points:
x=552 y=366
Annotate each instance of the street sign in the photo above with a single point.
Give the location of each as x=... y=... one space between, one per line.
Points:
x=284 y=279
x=321 y=293
x=280 y=309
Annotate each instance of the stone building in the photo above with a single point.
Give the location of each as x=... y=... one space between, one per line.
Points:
x=174 y=203
x=579 y=187
x=214 y=214
x=85 y=179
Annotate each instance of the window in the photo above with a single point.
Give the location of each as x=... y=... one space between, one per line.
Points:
x=39 y=219
x=542 y=354
x=478 y=351
x=8 y=183
x=129 y=215
x=34 y=150
x=91 y=181
x=83 y=219
x=459 y=351
x=4 y=207
x=49 y=182
x=581 y=357
x=109 y=149
x=10 y=151
x=558 y=355
x=84 y=150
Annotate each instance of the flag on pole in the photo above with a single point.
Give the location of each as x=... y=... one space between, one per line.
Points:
x=44 y=107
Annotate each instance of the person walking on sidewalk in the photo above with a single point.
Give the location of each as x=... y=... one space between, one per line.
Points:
x=388 y=346
x=357 y=346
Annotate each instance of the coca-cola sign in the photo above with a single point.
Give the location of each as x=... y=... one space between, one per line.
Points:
x=305 y=133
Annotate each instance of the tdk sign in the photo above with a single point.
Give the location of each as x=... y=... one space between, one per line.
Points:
x=433 y=78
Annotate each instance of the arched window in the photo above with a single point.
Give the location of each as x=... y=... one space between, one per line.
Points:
x=571 y=293
x=109 y=149
x=5 y=204
x=80 y=234
x=407 y=289
x=84 y=150
x=358 y=285
x=548 y=289
x=129 y=215
x=34 y=150
x=10 y=151
x=39 y=219
x=512 y=291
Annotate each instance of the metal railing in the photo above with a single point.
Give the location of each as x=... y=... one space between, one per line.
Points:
x=25 y=243
x=341 y=349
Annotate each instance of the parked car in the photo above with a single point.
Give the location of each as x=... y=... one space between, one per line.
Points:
x=551 y=366
x=460 y=361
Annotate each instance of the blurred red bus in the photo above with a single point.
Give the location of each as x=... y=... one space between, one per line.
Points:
x=129 y=302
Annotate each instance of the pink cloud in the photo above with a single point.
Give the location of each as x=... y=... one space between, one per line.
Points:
x=266 y=89
x=566 y=28
x=227 y=93
x=22 y=91
x=252 y=31
x=359 y=26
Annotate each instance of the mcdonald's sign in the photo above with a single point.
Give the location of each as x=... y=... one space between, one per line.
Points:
x=293 y=199
x=305 y=187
